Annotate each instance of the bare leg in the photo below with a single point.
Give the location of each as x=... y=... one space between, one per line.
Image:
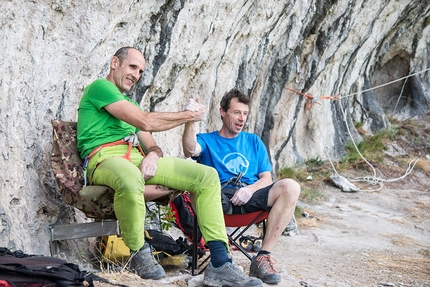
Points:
x=283 y=197
x=153 y=192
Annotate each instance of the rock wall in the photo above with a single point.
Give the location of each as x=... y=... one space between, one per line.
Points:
x=51 y=49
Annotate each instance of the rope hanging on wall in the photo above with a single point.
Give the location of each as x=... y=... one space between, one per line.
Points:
x=374 y=179
x=315 y=99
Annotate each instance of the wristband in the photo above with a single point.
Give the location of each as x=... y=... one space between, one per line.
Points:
x=155 y=149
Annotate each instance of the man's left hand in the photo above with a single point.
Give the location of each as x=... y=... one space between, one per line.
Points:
x=149 y=165
x=241 y=196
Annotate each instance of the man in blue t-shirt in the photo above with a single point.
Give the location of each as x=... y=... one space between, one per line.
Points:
x=245 y=173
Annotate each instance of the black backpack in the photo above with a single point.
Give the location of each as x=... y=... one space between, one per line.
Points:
x=18 y=269
x=162 y=242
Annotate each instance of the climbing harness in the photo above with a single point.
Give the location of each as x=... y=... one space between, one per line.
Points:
x=131 y=140
x=228 y=189
x=234 y=181
x=314 y=99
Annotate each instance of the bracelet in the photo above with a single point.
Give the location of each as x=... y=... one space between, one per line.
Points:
x=155 y=149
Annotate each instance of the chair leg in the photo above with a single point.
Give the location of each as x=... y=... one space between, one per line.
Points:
x=264 y=228
x=195 y=255
x=233 y=238
x=238 y=246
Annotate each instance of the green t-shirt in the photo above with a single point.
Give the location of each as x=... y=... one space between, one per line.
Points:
x=96 y=126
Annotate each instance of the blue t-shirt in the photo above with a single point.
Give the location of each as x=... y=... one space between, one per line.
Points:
x=245 y=153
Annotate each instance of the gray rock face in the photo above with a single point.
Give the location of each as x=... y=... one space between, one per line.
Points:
x=51 y=49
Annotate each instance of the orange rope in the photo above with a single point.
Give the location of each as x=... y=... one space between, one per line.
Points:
x=119 y=142
x=314 y=100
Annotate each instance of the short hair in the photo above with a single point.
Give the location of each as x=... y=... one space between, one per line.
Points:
x=122 y=53
x=234 y=93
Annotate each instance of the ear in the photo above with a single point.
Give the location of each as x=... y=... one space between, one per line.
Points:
x=114 y=63
x=221 y=112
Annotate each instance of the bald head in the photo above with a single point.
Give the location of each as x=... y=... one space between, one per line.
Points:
x=126 y=67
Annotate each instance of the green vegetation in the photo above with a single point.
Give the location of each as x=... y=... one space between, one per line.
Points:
x=298 y=212
x=359 y=125
x=425 y=252
x=309 y=194
x=290 y=172
x=314 y=164
x=370 y=147
x=427 y=21
x=163 y=214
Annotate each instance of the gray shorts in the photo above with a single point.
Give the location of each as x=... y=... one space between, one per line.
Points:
x=257 y=202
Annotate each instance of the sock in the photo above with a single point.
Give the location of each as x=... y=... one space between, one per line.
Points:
x=263 y=252
x=218 y=253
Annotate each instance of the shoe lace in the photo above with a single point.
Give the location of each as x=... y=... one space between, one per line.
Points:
x=144 y=258
x=234 y=270
x=267 y=261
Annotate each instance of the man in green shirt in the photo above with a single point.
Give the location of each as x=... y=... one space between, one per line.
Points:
x=112 y=131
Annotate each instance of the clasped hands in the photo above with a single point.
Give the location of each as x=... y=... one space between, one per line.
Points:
x=196 y=107
x=149 y=164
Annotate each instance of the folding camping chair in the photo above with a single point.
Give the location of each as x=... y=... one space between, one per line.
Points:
x=241 y=223
x=96 y=202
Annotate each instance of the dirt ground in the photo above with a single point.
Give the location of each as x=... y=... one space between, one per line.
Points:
x=365 y=238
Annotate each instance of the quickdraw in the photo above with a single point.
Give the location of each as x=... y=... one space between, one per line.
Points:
x=234 y=181
x=314 y=99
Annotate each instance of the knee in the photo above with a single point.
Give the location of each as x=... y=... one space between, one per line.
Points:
x=290 y=188
x=130 y=186
x=211 y=174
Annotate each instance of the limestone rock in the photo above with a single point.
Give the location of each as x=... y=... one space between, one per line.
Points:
x=343 y=183
x=52 y=49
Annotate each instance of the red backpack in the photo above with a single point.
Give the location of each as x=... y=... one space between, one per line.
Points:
x=184 y=218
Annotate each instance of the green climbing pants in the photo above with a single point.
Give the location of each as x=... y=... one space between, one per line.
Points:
x=108 y=167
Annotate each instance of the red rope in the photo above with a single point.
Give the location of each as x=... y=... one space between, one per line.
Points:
x=313 y=100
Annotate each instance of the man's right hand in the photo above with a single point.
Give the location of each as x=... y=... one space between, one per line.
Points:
x=241 y=196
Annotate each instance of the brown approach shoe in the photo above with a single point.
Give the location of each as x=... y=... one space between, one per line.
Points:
x=262 y=267
x=144 y=264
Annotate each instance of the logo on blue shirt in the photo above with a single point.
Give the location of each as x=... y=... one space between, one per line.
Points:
x=236 y=163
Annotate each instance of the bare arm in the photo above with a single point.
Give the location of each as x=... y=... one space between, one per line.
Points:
x=147 y=141
x=149 y=164
x=264 y=179
x=189 y=141
x=152 y=121
x=243 y=194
